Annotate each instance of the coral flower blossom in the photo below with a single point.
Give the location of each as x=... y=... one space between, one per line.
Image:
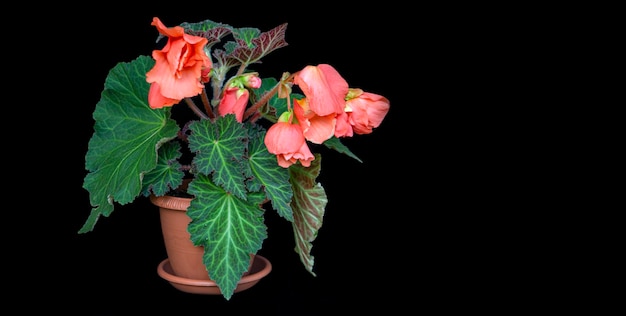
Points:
x=366 y=110
x=315 y=128
x=156 y=100
x=178 y=68
x=235 y=97
x=234 y=101
x=324 y=87
x=342 y=126
x=285 y=140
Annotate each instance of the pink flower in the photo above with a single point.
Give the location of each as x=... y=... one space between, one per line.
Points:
x=285 y=140
x=315 y=128
x=324 y=87
x=178 y=68
x=252 y=80
x=234 y=101
x=342 y=126
x=156 y=100
x=235 y=97
x=365 y=110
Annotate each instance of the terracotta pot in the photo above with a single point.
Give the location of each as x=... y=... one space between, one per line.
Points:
x=185 y=259
x=184 y=268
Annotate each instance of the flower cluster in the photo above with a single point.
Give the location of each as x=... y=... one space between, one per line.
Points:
x=139 y=148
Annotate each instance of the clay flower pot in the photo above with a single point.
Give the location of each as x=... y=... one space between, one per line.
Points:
x=183 y=267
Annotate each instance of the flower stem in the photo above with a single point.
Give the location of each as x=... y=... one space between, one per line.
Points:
x=195 y=109
x=266 y=97
x=241 y=69
x=207 y=104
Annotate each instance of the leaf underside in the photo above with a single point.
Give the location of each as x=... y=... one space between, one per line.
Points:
x=309 y=204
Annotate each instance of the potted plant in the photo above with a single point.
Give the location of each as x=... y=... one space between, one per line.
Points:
x=240 y=142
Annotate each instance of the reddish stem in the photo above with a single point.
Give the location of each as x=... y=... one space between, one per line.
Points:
x=195 y=108
x=266 y=97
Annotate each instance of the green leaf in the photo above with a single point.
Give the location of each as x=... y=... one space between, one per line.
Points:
x=267 y=173
x=167 y=175
x=203 y=26
x=246 y=35
x=212 y=31
x=255 y=47
x=335 y=143
x=220 y=147
x=127 y=134
x=230 y=230
x=309 y=204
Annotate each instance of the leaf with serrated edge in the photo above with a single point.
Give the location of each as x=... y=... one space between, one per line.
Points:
x=245 y=35
x=212 y=31
x=253 y=50
x=167 y=175
x=127 y=134
x=230 y=230
x=269 y=174
x=220 y=147
x=309 y=204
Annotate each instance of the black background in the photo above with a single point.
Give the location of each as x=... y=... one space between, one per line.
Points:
x=386 y=239
x=461 y=204
x=362 y=249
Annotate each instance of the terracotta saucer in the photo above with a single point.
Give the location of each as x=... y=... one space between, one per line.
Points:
x=259 y=269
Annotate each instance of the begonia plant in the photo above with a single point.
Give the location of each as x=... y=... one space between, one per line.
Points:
x=243 y=137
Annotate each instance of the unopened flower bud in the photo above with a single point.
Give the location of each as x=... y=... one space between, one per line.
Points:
x=252 y=80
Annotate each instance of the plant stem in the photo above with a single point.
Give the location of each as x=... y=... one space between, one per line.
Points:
x=195 y=109
x=266 y=97
x=241 y=69
x=207 y=104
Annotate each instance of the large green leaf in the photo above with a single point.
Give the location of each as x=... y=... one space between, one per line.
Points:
x=267 y=173
x=309 y=204
x=229 y=228
x=127 y=134
x=219 y=148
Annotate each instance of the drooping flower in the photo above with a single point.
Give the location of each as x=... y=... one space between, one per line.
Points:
x=315 y=128
x=234 y=101
x=324 y=87
x=342 y=126
x=156 y=100
x=285 y=140
x=365 y=110
x=235 y=96
x=178 y=67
